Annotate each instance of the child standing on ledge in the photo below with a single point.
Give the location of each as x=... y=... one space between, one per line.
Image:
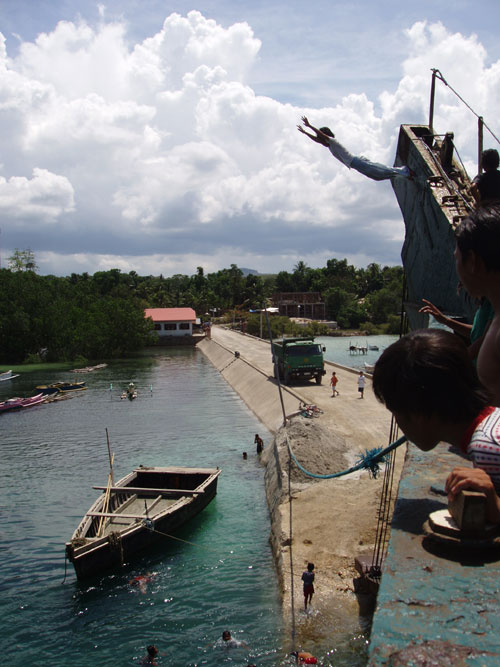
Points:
x=308 y=579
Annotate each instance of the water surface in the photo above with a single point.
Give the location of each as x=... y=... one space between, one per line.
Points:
x=220 y=576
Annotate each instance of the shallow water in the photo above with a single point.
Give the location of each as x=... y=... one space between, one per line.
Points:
x=220 y=576
x=337 y=349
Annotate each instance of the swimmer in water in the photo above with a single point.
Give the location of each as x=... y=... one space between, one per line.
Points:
x=149 y=658
x=304 y=658
x=141 y=581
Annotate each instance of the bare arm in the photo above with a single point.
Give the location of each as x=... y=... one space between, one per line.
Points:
x=459 y=327
x=478 y=480
x=475 y=193
x=320 y=137
x=311 y=136
x=473 y=349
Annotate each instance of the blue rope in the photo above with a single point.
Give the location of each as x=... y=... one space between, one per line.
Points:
x=370 y=460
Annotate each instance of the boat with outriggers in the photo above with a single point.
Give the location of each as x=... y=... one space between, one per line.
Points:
x=18 y=403
x=139 y=510
x=89 y=369
x=61 y=387
x=8 y=375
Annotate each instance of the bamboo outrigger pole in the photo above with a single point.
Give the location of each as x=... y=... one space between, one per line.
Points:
x=110 y=483
x=105 y=505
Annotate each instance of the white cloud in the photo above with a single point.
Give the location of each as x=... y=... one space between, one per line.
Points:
x=42 y=198
x=160 y=153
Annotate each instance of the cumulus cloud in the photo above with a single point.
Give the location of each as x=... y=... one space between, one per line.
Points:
x=43 y=198
x=156 y=155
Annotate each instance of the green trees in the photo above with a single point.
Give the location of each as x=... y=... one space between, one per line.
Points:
x=69 y=317
x=102 y=316
x=22 y=260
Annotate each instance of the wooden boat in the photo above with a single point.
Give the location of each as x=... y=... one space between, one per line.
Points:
x=56 y=387
x=10 y=404
x=7 y=375
x=130 y=392
x=33 y=400
x=89 y=369
x=132 y=514
x=17 y=403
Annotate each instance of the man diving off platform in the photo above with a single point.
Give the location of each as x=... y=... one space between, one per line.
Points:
x=373 y=170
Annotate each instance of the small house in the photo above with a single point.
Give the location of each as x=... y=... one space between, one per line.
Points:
x=172 y=321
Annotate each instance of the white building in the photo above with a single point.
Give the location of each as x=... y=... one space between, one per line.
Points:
x=172 y=321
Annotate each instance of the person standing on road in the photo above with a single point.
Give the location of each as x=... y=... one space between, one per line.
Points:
x=333 y=381
x=361 y=383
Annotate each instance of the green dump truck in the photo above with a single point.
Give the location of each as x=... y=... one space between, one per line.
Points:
x=298 y=358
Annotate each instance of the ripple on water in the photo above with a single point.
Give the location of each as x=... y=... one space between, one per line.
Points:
x=51 y=457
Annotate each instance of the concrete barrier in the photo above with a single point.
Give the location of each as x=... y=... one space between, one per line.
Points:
x=258 y=390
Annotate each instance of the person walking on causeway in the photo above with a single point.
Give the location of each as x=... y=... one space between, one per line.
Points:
x=333 y=381
x=361 y=383
x=373 y=170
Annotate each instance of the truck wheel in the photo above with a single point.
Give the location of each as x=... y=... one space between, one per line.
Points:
x=318 y=379
x=287 y=378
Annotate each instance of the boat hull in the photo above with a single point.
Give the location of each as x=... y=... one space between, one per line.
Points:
x=61 y=387
x=8 y=375
x=432 y=206
x=92 y=555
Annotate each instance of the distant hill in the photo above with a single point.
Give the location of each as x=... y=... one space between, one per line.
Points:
x=249 y=272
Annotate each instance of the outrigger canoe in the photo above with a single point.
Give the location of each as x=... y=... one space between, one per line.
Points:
x=137 y=511
x=7 y=375
x=61 y=387
x=18 y=403
x=89 y=369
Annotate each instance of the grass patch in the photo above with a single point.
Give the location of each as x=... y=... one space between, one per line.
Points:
x=30 y=368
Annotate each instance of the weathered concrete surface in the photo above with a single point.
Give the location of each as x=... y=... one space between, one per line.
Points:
x=333 y=520
x=431 y=211
x=435 y=605
x=255 y=387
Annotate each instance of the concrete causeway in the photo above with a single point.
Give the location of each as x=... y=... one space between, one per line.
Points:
x=434 y=607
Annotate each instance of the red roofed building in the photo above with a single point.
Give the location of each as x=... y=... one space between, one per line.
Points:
x=172 y=321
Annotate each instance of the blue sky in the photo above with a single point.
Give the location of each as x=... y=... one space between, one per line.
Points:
x=147 y=136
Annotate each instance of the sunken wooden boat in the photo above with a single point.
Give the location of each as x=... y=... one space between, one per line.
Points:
x=136 y=512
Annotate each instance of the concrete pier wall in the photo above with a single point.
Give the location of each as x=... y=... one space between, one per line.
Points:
x=254 y=386
x=434 y=606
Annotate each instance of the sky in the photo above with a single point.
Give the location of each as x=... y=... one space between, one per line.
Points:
x=157 y=136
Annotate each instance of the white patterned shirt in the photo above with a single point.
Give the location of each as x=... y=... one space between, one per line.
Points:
x=482 y=444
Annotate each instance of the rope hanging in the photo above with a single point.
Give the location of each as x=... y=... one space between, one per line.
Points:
x=441 y=78
x=370 y=460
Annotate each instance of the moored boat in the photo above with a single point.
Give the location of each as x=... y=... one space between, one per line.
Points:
x=11 y=404
x=33 y=400
x=137 y=511
x=89 y=369
x=8 y=375
x=56 y=387
x=17 y=403
x=130 y=392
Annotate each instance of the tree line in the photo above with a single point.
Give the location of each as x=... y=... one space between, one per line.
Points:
x=102 y=315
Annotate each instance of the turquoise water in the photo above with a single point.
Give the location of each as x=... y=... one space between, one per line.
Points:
x=337 y=349
x=51 y=457
x=53 y=454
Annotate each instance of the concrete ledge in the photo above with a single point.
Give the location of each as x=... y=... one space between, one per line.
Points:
x=255 y=387
x=434 y=606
